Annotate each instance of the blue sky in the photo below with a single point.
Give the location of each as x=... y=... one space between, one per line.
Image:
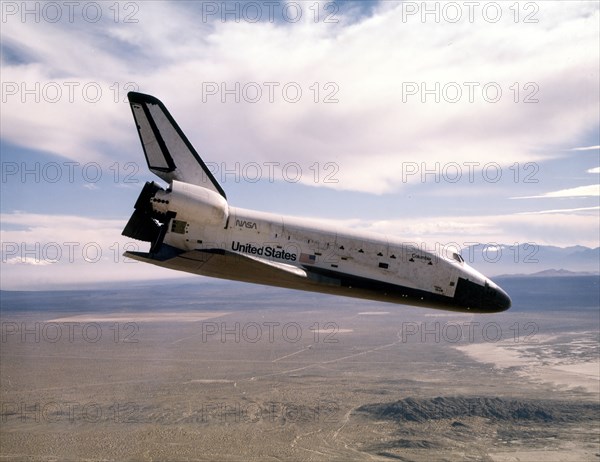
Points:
x=437 y=123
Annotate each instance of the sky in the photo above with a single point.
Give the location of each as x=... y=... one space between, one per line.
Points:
x=437 y=122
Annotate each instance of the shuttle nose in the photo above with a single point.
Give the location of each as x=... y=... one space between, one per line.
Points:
x=477 y=298
x=497 y=299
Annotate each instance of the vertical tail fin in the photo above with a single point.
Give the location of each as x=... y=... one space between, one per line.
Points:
x=168 y=152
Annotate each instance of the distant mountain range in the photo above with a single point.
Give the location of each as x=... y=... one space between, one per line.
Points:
x=533 y=259
x=553 y=273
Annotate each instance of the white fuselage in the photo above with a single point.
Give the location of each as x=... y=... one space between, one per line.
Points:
x=206 y=221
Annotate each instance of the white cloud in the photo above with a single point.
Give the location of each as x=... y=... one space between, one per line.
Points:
x=553 y=228
x=370 y=132
x=594 y=170
x=562 y=211
x=26 y=260
x=592 y=190
x=494 y=248
x=586 y=148
x=560 y=228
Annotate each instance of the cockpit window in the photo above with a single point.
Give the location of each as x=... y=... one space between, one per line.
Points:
x=458 y=258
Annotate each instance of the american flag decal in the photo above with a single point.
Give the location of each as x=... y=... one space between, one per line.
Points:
x=307 y=258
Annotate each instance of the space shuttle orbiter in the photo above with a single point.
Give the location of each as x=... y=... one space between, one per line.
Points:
x=191 y=227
